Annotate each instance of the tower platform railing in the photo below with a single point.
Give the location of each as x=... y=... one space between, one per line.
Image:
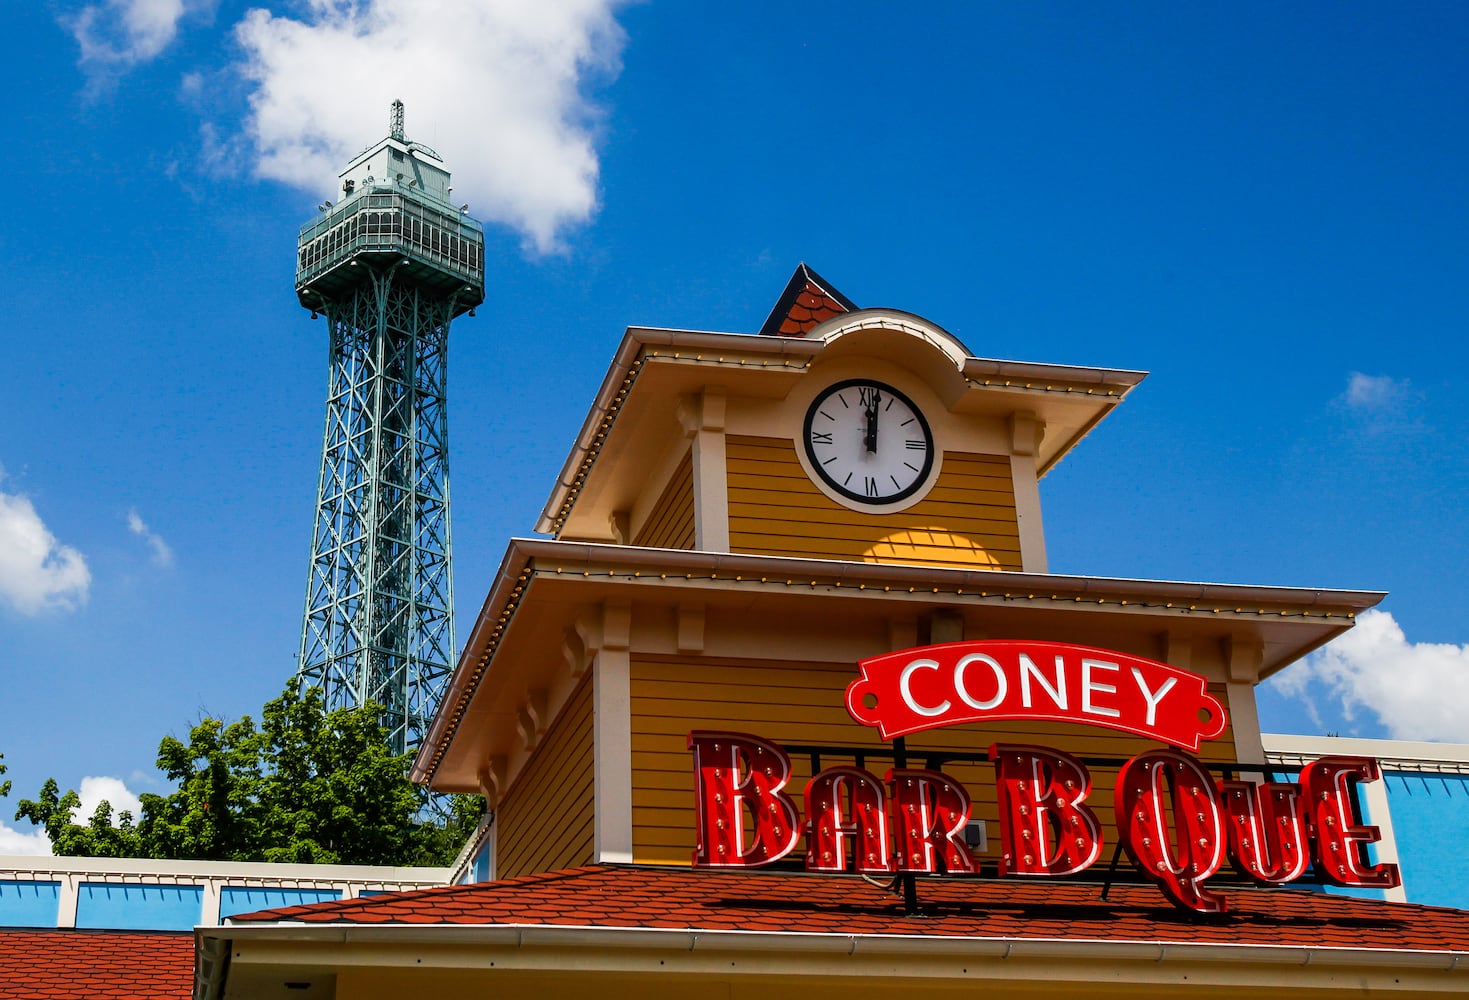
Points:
x=446 y=245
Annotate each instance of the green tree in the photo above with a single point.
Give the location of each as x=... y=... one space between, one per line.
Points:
x=305 y=786
x=99 y=837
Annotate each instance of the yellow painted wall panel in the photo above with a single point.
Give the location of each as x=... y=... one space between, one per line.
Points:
x=545 y=821
x=798 y=703
x=968 y=518
x=670 y=524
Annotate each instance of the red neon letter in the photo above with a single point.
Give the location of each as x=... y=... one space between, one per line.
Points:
x=1041 y=793
x=720 y=792
x=1267 y=833
x=1147 y=787
x=930 y=810
x=1336 y=824
x=829 y=822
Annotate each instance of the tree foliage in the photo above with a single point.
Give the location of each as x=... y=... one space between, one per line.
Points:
x=305 y=785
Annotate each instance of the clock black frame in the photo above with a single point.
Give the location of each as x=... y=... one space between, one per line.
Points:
x=862 y=498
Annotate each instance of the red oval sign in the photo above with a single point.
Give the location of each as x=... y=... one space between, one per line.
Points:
x=911 y=690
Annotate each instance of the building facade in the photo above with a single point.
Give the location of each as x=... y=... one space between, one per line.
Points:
x=814 y=558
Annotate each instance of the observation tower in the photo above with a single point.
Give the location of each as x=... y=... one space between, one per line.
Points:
x=390 y=265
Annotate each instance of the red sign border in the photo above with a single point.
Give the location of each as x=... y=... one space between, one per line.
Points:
x=863 y=684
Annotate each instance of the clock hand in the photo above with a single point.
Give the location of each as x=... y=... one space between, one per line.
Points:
x=869 y=435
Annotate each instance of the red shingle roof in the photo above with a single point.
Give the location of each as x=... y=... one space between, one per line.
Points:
x=71 y=965
x=808 y=300
x=683 y=899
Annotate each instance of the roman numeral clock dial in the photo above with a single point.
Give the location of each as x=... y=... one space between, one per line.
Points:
x=868 y=442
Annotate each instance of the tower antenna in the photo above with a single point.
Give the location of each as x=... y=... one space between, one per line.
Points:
x=395 y=122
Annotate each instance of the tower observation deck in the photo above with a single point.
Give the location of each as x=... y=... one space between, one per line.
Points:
x=389 y=265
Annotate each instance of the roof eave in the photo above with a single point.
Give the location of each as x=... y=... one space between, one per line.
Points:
x=616 y=383
x=696 y=950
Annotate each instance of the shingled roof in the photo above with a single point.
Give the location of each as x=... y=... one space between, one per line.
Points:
x=637 y=896
x=72 y=964
x=808 y=300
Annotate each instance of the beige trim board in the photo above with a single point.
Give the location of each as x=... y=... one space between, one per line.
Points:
x=257 y=952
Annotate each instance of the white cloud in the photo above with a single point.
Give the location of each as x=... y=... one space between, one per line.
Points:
x=120 y=33
x=94 y=789
x=162 y=554
x=1417 y=690
x=92 y=792
x=497 y=86
x=1375 y=392
x=37 y=573
x=35 y=843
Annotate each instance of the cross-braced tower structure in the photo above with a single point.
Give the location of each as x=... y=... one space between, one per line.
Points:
x=389 y=266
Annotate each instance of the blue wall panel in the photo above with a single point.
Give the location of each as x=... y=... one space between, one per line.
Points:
x=29 y=904
x=247 y=899
x=119 y=906
x=1430 y=817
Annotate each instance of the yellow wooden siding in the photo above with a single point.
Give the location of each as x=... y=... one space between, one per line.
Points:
x=670 y=524
x=545 y=822
x=797 y=703
x=967 y=519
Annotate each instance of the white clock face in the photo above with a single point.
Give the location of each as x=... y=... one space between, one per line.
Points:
x=868 y=442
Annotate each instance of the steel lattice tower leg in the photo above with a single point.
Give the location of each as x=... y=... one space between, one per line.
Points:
x=379 y=622
x=389 y=267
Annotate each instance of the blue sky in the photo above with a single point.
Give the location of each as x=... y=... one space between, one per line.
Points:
x=1266 y=206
